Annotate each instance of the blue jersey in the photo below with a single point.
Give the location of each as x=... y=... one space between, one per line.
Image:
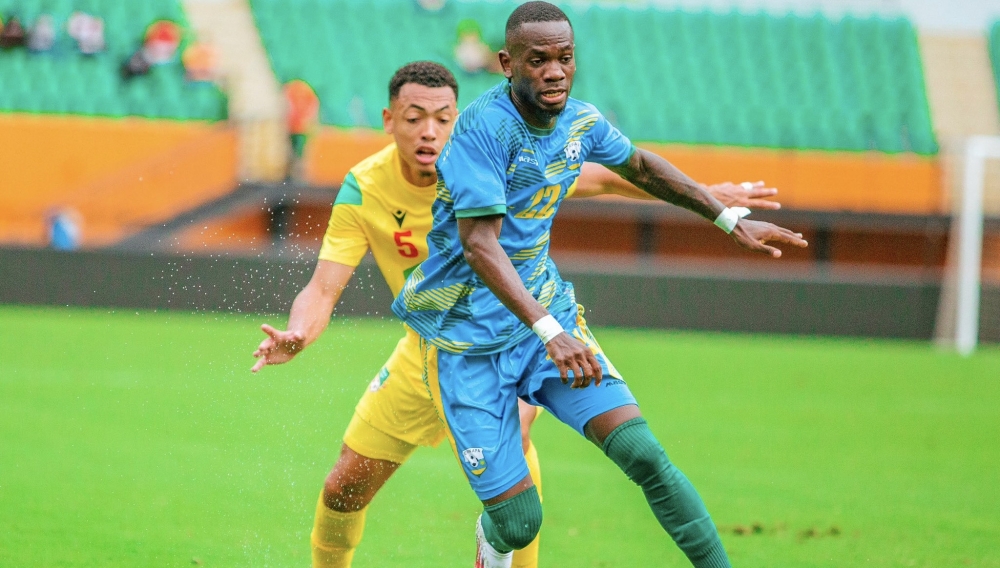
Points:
x=497 y=164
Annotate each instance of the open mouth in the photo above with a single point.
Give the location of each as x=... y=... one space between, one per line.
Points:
x=426 y=155
x=553 y=96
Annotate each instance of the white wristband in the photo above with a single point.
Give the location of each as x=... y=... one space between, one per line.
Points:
x=729 y=216
x=547 y=328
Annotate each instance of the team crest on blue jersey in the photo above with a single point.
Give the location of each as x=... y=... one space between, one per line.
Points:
x=474 y=457
x=573 y=149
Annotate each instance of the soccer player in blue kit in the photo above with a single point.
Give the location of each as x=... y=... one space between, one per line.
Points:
x=496 y=320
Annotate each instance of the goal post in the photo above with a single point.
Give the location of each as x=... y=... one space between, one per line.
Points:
x=961 y=288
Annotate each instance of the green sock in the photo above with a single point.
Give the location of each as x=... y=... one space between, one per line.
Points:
x=670 y=495
x=513 y=523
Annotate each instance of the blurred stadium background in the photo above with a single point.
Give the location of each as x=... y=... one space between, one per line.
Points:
x=146 y=165
x=858 y=113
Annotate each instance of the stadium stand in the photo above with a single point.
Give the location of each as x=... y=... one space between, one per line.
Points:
x=62 y=81
x=727 y=79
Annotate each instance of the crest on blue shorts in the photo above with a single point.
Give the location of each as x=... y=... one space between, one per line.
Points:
x=474 y=457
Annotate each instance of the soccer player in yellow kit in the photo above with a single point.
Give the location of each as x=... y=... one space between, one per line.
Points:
x=384 y=205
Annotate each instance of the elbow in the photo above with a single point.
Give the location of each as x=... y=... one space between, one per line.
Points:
x=473 y=251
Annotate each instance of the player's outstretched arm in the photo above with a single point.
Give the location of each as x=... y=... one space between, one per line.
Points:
x=310 y=315
x=596 y=180
x=480 y=244
x=662 y=180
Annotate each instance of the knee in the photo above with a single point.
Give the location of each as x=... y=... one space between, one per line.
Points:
x=650 y=462
x=345 y=496
x=518 y=524
x=639 y=454
x=521 y=531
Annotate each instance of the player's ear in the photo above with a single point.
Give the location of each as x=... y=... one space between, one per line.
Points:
x=504 y=56
x=387 y=120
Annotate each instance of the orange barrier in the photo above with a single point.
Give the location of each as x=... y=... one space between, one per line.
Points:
x=821 y=180
x=807 y=179
x=332 y=152
x=119 y=174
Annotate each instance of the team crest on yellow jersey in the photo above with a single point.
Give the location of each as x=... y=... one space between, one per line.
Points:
x=379 y=380
x=474 y=457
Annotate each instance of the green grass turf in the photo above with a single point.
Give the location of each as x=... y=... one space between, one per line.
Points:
x=141 y=439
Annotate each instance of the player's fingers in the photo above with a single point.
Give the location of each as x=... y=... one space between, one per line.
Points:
x=259 y=365
x=759 y=246
x=786 y=236
x=763 y=204
x=598 y=371
x=563 y=371
x=586 y=368
x=587 y=373
x=578 y=375
x=271 y=332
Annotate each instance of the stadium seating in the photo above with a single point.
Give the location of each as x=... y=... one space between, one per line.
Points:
x=64 y=82
x=994 y=46
x=668 y=76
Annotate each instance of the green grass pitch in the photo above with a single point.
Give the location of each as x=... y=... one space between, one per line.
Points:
x=141 y=439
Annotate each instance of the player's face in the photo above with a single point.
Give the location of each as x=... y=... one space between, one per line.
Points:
x=540 y=63
x=420 y=119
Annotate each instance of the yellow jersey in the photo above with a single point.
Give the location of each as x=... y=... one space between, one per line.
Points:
x=378 y=209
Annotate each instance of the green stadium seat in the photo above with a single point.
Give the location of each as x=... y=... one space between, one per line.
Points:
x=91 y=85
x=674 y=76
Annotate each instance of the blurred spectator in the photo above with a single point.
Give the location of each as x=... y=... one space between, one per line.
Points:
x=12 y=35
x=42 y=36
x=431 y=5
x=472 y=54
x=201 y=63
x=163 y=37
x=88 y=31
x=136 y=65
x=303 y=114
x=64 y=229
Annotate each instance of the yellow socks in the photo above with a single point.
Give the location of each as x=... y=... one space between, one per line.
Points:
x=335 y=535
x=527 y=557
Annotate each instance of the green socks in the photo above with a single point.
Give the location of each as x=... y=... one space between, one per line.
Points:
x=514 y=523
x=670 y=495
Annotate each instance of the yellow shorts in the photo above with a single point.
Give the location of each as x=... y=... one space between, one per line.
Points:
x=396 y=413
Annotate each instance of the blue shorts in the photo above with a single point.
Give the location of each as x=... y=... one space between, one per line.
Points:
x=476 y=397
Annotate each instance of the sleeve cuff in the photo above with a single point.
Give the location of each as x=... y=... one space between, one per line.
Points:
x=481 y=211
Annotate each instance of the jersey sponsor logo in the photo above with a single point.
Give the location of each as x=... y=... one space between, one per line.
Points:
x=573 y=150
x=399 y=216
x=379 y=380
x=474 y=457
x=527 y=160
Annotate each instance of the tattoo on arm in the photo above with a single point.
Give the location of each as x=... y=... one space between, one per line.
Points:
x=662 y=180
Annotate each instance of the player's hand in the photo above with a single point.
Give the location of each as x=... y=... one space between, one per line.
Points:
x=279 y=347
x=571 y=355
x=753 y=195
x=753 y=235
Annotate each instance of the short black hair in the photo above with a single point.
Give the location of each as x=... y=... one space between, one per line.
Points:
x=426 y=73
x=534 y=12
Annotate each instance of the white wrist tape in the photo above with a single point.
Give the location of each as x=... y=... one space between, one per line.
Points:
x=547 y=328
x=729 y=216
